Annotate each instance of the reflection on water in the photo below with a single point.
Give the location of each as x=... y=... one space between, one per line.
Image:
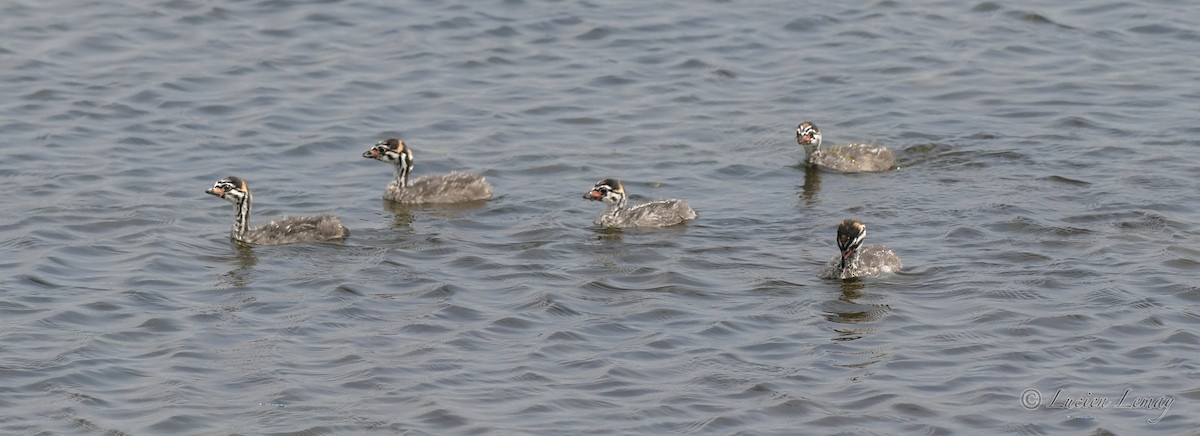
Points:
x=244 y=262
x=812 y=183
x=853 y=316
x=853 y=321
x=852 y=288
x=402 y=214
x=608 y=234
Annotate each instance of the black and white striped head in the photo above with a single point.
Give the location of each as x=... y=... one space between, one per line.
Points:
x=608 y=190
x=230 y=188
x=395 y=152
x=850 y=235
x=390 y=150
x=808 y=136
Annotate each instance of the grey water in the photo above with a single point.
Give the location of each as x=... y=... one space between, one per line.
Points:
x=1045 y=207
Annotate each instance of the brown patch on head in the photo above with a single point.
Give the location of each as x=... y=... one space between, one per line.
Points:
x=602 y=188
x=394 y=144
x=384 y=149
x=238 y=183
x=223 y=186
x=849 y=234
x=613 y=185
x=398 y=145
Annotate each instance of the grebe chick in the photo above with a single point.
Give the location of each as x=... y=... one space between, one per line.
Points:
x=856 y=262
x=653 y=214
x=281 y=231
x=454 y=187
x=848 y=158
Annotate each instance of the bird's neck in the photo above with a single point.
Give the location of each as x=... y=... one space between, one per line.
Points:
x=241 y=221
x=811 y=150
x=403 y=167
x=849 y=262
x=614 y=210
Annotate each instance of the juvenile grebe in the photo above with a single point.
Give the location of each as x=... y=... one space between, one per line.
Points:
x=440 y=188
x=849 y=158
x=856 y=262
x=281 y=231
x=653 y=214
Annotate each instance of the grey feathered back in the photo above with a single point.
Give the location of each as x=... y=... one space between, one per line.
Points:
x=289 y=230
x=852 y=158
x=440 y=188
x=660 y=213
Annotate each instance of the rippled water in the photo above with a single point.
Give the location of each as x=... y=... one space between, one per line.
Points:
x=1045 y=210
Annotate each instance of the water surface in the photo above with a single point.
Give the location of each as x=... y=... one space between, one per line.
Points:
x=1045 y=208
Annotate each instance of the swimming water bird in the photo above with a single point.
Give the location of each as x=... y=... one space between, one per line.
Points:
x=454 y=187
x=855 y=261
x=849 y=158
x=281 y=231
x=653 y=214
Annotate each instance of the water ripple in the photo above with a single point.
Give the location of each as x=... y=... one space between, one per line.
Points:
x=1042 y=207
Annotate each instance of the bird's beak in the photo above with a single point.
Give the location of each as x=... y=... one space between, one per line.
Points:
x=593 y=195
x=216 y=191
x=371 y=154
x=806 y=139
